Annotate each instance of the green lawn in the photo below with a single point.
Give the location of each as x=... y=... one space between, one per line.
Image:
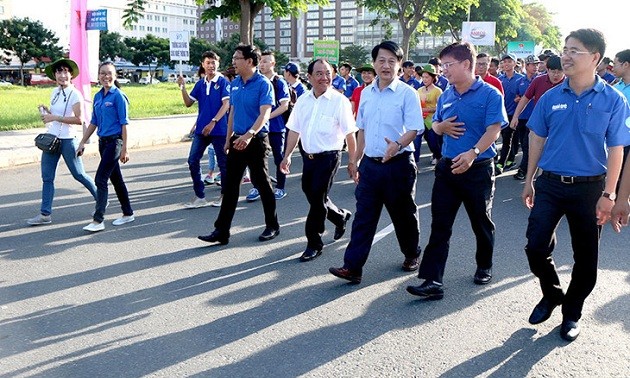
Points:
x=18 y=105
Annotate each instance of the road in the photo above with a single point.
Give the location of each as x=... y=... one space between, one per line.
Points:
x=149 y=299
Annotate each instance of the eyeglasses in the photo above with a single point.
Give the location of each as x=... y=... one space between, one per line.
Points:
x=446 y=66
x=238 y=57
x=481 y=64
x=574 y=52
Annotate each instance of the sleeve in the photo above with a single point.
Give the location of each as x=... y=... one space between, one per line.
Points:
x=283 y=93
x=196 y=91
x=231 y=85
x=437 y=116
x=122 y=108
x=529 y=93
x=93 y=120
x=346 y=119
x=225 y=89
x=365 y=96
x=495 y=112
x=412 y=113
x=266 y=94
x=76 y=97
x=618 y=132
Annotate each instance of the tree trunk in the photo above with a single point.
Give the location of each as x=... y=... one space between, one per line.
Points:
x=246 y=22
x=22 y=74
x=405 y=43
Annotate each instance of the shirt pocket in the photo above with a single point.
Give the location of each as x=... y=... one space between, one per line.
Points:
x=595 y=122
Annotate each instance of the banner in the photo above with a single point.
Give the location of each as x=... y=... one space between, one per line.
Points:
x=479 y=33
x=521 y=49
x=327 y=49
x=79 y=53
x=179 y=45
x=96 y=19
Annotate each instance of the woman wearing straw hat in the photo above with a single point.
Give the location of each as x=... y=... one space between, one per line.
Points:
x=64 y=112
x=429 y=94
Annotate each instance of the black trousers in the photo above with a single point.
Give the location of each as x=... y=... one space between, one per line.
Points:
x=523 y=137
x=318 y=175
x=577 y=202
x=392 y=184
x=510 y=144
x=254 y=157
x=475 y=189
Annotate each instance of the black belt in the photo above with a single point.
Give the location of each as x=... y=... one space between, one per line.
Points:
x=319 y=154
x=109 y=137
x=259 y=135
x=476 y=162
x=404 y=155
x=573 y=179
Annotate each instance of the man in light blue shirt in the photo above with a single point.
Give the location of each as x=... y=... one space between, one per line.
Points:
x=389 y=119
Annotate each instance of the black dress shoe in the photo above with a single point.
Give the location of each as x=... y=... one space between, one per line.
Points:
x=409 y=265
x=428 y=289
x=483 y=276
x=542 y=311
x=569 y=330
x=214 y=237
x=341 y=229
x=309 y=254
x=269 y=234
x=346 y=274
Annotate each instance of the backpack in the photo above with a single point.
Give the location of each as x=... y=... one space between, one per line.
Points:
x=292 y=98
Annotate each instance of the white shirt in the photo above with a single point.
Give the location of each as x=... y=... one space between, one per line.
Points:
x=61 y=105
x=323 y=122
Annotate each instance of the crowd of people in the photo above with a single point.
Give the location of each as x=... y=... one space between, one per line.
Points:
x=571 y=123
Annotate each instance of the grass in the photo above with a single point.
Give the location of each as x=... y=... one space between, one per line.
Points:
x=18 y=105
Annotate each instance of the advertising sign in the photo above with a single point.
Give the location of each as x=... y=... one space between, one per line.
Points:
x=327 y=49
x=179 y=45
x=479 y=33
x=521 y=49
x=96 y=19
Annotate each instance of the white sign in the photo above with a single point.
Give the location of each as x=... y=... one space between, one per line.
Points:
x=479 y=33
x=179 y=45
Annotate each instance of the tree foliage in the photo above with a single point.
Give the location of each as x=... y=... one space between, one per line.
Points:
x=112 y=46
x=356 y=55
x=27 y=39
x=149 y=50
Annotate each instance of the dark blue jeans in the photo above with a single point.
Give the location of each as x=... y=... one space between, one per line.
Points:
x=197 y=149
x=523 y=137
x=109 y=169
x=276 y=140
x=392 y=184
x=577 y=202
x=475 y=189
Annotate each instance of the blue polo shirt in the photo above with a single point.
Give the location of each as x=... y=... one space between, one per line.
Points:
x=479 y=107
x=299 y=88
x=624 y=88
x=580 y=128
x=510 y=88
x=388 y=113
x=209 y=96
x=523 y=84
x=412 y=82
x=608 y=77
x=339 y=83
x=247 y=98
x=110 y=112
x=442 y=83
x=281 y=93
x=351 y=84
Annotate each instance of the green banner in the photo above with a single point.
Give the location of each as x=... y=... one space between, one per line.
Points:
x=327 y=49
x=521 y=49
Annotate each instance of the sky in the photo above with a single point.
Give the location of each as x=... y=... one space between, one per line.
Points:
x=608 y=16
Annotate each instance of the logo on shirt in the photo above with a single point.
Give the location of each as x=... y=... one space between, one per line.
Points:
x=446 y=106
x=559 y=107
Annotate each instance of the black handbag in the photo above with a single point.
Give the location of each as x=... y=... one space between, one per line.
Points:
x=48 y=143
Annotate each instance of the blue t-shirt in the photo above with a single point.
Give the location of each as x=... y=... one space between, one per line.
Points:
x=510 y=88
x=276 y=125
x=608 y=77
x=209 y=96
x=247 y=98
x=580 y=128
x=351 y=84
x=299 y=88
x=479 y=107
x=523 y=84
x=624 y=88
x=110 y=112
x=413 y=82
x=339 y=83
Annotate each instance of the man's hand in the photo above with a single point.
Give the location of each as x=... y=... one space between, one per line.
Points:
x=208 y=129
x=353 y=172
x=181 y=82
x=391 y=150
x=124 y=156
x=463 y=161
x=603 y=210
x=452 y=128
x=620 y=214
x=514 y=123
x=285 y=164
x=528 y=195
x=241 y=142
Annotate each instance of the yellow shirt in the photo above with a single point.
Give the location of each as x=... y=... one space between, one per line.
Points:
x=428 y=99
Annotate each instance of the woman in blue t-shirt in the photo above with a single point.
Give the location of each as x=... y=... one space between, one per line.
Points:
x=110 y=118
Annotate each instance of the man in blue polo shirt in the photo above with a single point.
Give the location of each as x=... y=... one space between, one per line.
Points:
x=338 y=82
x=470 y=115
x=292 y=76
x=409 y=75
x=351 y=83
x=578 y=130
x=212 y=94
x=251 y=98
x=510 y=80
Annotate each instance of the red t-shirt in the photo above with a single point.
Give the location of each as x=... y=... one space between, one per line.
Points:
x=356 y=98
x=494 y=82
x=539 y=86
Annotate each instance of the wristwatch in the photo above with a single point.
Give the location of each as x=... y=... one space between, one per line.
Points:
x=400 y=146
x=253 y=132
x=476 y=150
x=214 y=120
x=610 y=196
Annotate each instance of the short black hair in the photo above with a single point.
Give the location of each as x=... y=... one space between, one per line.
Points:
x=210 y=54
x=460 y=51
x=495 y=61
x=592 y=39
x=390 y=46
x=267 y=53
x=554 y=63
x=347 y=65
x=482 y=55
x=407 y=63
x=311 y=65
x=250 y=52
x=623 y=56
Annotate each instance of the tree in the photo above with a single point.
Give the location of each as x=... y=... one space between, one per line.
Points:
x=225 y=49
x=236 y=10
x=356 y=55
x=197 y=47
x=413 y=15
x=149 y=49
x=28 y=39
x=537 y=25
x=112 y=46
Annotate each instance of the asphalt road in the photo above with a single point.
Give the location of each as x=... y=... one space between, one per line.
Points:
x=149 y=299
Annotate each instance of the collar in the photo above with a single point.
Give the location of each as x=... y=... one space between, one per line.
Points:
x=216 y=77
x=327 y=94
x=113 y=89
x=597 y=87
x=393 y=85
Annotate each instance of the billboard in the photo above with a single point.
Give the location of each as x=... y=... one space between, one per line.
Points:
x=521 y=49
x=479 y=33
x=327 y=49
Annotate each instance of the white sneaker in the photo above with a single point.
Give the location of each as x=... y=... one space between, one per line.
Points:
x=39 y=219
x=209 y=180
x=197 y=203
x=217 y=202
x=94 y=227
x=124 y=219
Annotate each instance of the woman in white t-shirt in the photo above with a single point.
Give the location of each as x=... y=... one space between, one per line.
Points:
x=66 y=104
